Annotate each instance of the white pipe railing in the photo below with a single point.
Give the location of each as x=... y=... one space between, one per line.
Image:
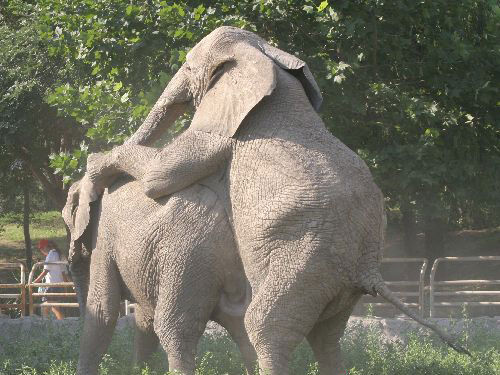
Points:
x=434 y=285
x=418 y=284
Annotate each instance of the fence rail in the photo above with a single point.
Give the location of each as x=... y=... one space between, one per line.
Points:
x=25 y=298
x=129 y=306
x=434 y=285
x=21 y=296
x=31 y=294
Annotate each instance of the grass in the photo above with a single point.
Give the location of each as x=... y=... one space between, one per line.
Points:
x=43 y=225
x=55 y=352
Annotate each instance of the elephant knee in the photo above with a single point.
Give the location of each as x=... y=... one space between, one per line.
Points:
x=100 y=314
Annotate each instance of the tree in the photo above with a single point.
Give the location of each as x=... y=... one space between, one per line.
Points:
x=410 y=86
x=31 y=130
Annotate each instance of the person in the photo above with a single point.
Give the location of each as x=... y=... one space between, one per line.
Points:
x=53 y=273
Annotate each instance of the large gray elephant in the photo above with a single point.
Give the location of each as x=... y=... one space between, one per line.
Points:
x=307 y=218
x=175 y=257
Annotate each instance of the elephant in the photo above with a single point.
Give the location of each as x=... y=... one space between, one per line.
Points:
x=306 y=215
x=175 y=257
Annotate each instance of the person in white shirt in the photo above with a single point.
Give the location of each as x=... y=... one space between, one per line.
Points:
x=53 y=273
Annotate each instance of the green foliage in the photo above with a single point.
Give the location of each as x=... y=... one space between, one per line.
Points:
x=365 y=352
x=216 y=353
x=30 y=129
x=410 y=86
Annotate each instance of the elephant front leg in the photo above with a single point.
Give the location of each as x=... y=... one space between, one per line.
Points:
x=145 y=339
x=190 y=157
x=103 y=304
x=132 y=160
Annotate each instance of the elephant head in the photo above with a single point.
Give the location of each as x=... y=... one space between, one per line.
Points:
x=225 y=75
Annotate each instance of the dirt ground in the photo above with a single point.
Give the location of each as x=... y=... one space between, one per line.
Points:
x=465 y=243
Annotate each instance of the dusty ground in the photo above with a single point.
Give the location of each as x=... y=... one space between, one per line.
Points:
x=462 y=243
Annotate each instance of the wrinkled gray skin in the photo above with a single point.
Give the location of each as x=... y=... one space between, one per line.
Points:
x=176 y=258
x=307 y=218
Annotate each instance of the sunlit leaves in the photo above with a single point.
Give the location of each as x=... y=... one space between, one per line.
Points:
x=68 y=163
x=412 y=86
x=322 y=6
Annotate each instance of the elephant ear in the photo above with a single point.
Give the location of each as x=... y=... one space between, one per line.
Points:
x=299 y=69
x=244 y=80
x=76 y=213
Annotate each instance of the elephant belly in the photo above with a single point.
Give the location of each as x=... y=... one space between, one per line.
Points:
x=181 y=238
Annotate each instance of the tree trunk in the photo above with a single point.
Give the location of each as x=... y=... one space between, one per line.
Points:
x=409 y=228
x=26 y=225
x=434 y=226
x=51 y=186
x=434 y=229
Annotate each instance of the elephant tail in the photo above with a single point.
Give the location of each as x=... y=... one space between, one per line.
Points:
x=374 y=284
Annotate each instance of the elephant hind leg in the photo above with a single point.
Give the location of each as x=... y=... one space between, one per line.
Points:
x=324 y=339
x=181 y=314
x=179 y=340
x=235 y=326
x=145 y=339
x=280 y=316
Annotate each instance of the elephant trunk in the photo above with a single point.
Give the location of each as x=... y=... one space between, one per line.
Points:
x=173 y=102
x=373 y=283
x=80 y=273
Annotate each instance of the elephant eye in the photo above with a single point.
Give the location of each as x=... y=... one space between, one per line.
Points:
x=217 y=72
x=215 y=76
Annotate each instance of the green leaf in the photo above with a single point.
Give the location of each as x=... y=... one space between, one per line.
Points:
x=431 y=132
x=339 y=78
x=308 y=8
x=342 y=66
x=117 y=86
x=198 y=11
x=323 y=5
x=124 y=97
x=73 y=163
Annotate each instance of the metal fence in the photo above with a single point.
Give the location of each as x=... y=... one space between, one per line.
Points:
x=441 y=292
x=32 y=295
x=129 y=307
x=447 y=288
x=416 y=287
x=19 y=297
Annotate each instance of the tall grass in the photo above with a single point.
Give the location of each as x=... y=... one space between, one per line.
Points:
x=366 y=352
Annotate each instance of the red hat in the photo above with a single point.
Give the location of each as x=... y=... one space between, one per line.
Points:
x=43 y=243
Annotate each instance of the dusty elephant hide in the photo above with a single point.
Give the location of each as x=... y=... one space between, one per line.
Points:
x=307 y=217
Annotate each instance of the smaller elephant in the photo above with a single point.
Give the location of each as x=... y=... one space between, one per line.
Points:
x=175 y=257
